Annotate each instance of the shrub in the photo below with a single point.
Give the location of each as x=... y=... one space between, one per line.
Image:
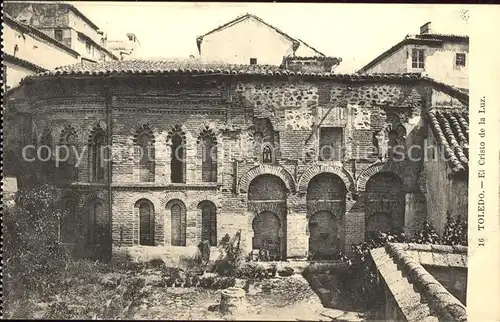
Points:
x=427 y=235
x=156 y=263
x=229 y=265
x=286 y=271
x=252 y=270
x=455 y=231
x=272 y=270
x=207 y=281
x=35 y=260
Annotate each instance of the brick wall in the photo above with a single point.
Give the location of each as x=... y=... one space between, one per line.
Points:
x=232 y=111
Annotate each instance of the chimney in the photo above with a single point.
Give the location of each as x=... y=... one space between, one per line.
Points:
x=426 y=28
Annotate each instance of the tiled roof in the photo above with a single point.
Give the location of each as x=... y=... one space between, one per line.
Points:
x=23 y=62
x=318 y=58
x=441 y=37
x=197 y=67
x=194 y=67
x=451 y=130
x=417 y=293
x=414 y=39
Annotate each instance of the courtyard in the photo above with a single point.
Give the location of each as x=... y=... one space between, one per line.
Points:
x=126 y=289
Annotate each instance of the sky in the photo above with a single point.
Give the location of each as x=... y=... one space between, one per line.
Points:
x=355 y=32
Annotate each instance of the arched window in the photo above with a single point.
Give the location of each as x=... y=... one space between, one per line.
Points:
x=146 y=153
x=208 y=222
x=97 y=161
x=68 y=169
x=178 y=159
x=146 y=222
x=209 y=159
x=178 y=223
x=265 y=139
x=267 y=154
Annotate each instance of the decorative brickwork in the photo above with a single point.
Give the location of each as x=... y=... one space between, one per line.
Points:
x=235 y=107
x=394 y=167
x=318 y=169
x=278 y=171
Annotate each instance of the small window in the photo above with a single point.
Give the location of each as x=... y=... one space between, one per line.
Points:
x=460 y=59
x=417 y=58
x=88 y=47
x=267 y=154
x=253 y=61
x=58 y=34
x=330 y=144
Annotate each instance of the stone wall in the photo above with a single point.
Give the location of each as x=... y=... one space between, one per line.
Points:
x=454 y=279
x=287 y=113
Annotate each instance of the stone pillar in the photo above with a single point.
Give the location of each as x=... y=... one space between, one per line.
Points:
x=191 y=229
x=162 y=160
x=233 y=301
x=297 y=237
x=354 y=222
x=247 y=231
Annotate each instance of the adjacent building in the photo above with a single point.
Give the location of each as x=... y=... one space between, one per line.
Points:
x=64 y=23
x=288 y=158
x=125 y=47
x=250 y=40
x=443 y=57
x=27 y=51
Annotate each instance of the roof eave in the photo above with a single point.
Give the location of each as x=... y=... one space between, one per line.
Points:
x=393 y=49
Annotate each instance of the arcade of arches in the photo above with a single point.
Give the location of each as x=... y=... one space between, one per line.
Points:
x=281 y=222
x=331 y=215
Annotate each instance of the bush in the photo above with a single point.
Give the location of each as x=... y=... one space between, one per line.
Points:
x=272 y=270
x=252 y=270
x=427 y=235
x=156 y=263
x=286 y=271
x=35 y=259
x=229 y=265
x=455 y=231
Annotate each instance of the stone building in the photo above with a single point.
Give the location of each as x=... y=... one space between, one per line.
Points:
x=291 y=161
x=443 y=57
x=250 y=40
x=64 y=23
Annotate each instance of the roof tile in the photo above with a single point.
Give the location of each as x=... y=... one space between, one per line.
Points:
x=451 y=130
